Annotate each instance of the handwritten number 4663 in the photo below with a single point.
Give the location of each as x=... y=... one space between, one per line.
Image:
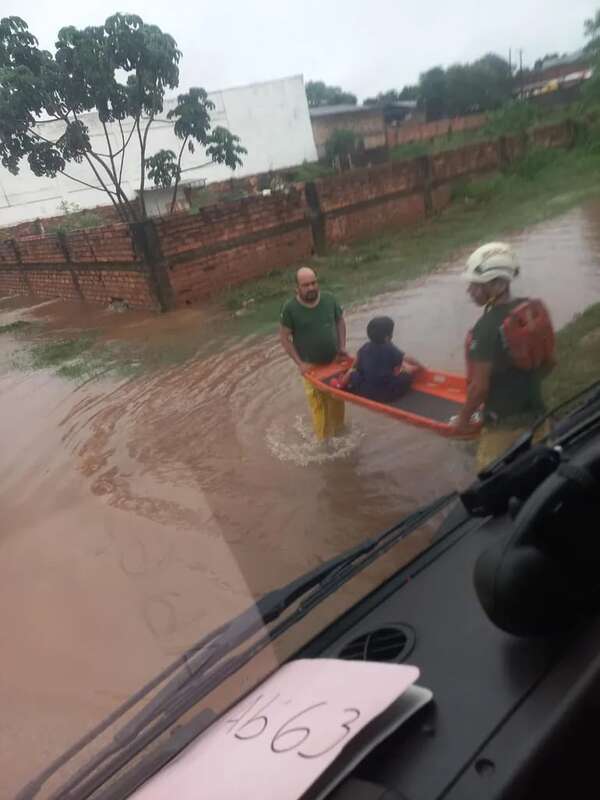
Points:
x=290 y=736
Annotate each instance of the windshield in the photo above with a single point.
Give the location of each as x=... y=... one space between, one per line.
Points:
x=201 y=394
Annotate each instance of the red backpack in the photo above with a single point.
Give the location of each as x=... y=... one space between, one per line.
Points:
x=527 y=336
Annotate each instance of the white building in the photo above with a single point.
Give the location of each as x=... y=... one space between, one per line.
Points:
x=271 y=119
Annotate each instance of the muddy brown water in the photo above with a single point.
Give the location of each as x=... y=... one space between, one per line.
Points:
x=138 y=515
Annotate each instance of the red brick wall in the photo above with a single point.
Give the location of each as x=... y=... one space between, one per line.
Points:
x=472 y=158
x=370 y=183
x=103 y=261
x=223 y=245
x=441 y=197
x=99 y=286
x=105 y=244
x=11 y=282
x=52 y=283
x=559 y=135
x=40 y=250
x=204 y=275
x=220 y=224
x=422 y=132
x=365 y=202
x=516 y=147
x=7 y=252
x=361 y=223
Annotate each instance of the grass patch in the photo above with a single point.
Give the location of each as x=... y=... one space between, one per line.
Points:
x=450 y=141
x=483 y=209
x=309 y=171
x=578 y=357
x=15 y=327
x=54 y=354
x=77 y=358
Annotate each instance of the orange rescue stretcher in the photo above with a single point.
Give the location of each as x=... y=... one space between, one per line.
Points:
x=431 y=402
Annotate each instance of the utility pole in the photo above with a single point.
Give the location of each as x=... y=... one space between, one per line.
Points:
x=521 y=70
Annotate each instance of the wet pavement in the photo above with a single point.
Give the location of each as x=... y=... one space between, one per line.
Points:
x=139 y=514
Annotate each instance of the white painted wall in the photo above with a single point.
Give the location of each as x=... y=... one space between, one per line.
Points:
x=271 y=119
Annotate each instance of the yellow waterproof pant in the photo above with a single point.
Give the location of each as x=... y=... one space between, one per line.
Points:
x=494 y=442
x=327 y=412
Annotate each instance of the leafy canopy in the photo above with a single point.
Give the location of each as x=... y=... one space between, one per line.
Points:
x=122 y=70
x=320 y=94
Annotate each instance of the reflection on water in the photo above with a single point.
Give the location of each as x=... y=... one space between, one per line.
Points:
x=140 y=514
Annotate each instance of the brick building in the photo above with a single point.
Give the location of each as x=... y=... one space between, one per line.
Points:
x=367 y=122
x=563 y=75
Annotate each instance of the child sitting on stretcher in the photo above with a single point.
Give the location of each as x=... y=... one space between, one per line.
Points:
x=381 y=371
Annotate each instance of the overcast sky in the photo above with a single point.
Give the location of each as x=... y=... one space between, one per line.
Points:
x=363 y=45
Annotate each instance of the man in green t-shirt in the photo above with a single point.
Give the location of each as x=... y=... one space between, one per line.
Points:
x=511 y=397
x=312 y=331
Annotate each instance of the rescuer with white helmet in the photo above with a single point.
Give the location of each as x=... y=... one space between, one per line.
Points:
x=508 y=352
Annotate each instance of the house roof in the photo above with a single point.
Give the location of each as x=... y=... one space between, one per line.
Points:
x=571 y=58
x=401 y=104
x=330 y=111
x=327 y=111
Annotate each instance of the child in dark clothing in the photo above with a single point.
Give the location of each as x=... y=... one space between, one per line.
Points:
x=381 y=371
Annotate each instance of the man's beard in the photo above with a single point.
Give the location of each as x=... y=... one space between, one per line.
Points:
x=312 y=295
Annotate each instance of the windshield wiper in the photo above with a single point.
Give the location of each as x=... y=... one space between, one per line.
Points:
x=524 y=466
x=203 y=667
x=589 y=396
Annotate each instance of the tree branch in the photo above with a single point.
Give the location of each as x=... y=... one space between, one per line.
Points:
x=142 y=166
x=85 y=183
x=143 y=139
x=49 y=121
x=116 y=180
x=118 y=204
x=199 y=166
x=123 y=149
x=178 y=176
x=123 y=199
x=43 y=138
x=110 y=149
x=102 y=188
x=125 y=145
x=115 y=200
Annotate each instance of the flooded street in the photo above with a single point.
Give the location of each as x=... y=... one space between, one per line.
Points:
x=139 y=514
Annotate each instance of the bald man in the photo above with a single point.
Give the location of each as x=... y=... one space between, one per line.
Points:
x=313 y=331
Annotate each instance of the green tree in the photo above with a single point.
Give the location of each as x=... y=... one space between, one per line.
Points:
x=591 y=90
x=320 y=94
x=492 y=82
x=539 y=62
x=121 y=70
x=409 y=92
x=591 y=29
x=433 y=88
x=341 y=146
x=393 y=96
x=483 y=85
x=461 y=89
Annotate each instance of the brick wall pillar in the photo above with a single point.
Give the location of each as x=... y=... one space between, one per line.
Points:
x=20 y=267
x=64 y=245
x=427 y=183
x=147 y=244
x=317 y=218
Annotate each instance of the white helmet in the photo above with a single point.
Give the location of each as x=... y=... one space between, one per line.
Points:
x=493 y=260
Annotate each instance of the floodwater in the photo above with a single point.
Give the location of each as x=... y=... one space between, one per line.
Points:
x=139 y=514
